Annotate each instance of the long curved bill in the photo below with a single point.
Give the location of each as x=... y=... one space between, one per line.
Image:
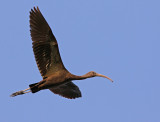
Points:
x=100 y=75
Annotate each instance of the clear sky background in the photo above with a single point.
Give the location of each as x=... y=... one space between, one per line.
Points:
x=117 y=38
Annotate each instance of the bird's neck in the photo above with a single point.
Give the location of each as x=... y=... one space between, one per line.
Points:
x=76 y=77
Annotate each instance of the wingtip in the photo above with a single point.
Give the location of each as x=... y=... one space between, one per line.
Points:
x=34 y=8
x=38 y=8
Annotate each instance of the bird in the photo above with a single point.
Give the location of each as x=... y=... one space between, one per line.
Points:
x=55 y=76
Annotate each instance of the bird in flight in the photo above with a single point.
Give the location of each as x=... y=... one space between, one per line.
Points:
x=56 y=77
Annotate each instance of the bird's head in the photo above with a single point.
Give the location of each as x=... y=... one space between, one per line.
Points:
x=94 y=74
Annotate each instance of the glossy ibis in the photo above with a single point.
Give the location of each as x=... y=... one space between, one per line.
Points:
x=56 y=77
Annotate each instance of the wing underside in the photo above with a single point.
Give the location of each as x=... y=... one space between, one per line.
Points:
x=68 y=90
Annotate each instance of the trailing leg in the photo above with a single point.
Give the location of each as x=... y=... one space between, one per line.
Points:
x=32 y=88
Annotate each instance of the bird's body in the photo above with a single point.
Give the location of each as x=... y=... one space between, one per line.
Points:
x=56 y=77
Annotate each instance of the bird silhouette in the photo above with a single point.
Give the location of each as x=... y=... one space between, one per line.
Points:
x=56 y=77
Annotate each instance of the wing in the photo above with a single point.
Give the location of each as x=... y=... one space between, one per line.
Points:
x=68 y=90
x=44 y=43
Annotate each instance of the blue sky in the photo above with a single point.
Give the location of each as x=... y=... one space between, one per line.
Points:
x=117 y=38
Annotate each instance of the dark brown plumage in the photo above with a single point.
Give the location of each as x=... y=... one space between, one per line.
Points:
x=56 y=77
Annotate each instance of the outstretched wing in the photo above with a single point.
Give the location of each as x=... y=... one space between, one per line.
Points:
x=44 y=43
x=68 y=90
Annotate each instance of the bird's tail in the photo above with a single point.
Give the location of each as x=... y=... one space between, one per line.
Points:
x=34 y=87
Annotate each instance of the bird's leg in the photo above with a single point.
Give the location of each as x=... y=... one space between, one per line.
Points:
x=20 y=92
x=26 y=92
x=26 y=89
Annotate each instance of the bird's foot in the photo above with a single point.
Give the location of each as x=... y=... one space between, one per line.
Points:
x=17 y=93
